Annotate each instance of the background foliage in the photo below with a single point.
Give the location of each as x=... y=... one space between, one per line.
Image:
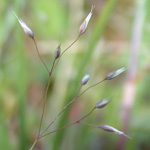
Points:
x=111 y=42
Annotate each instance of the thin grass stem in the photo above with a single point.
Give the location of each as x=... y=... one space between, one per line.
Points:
x=43 y=109
x=91 y=125
x=57 y=130
x=74 y=99
x=67 y=49
x=92 y=86
x=33 y=144
x=40 y=55
x=86 y=115
x=76 y=122
x=53 y=121
x=52 y=67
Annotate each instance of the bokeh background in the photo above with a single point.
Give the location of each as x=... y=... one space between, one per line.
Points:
x=118 y=36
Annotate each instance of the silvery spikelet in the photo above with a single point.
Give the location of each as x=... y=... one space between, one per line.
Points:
x=84 y=25
x=102 y=103
x=114 y=74
x=85 y=79
x=112 y=129
x=24 y=26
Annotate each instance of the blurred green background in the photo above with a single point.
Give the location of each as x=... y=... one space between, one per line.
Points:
x=118 y=36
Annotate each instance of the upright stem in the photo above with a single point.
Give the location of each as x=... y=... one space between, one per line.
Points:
x=44 y=105
x=52 y=67
x=43 y=109
x=33 y=145
x=40 y=55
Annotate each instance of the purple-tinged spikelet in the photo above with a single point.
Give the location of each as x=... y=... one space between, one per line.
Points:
x=112 y=129
x=114 y=74
x=57 y=51
x=24 y=26
x=102 y=103
x=84 y=25
x=85 y=79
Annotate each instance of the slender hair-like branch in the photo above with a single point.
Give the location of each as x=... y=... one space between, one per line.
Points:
x=40 y=55
x=57 y=130
x=33 y=144
x=91 y=125
x=67 y=49
x=76 y=122
x=92 y=86
x=62 y=111
x=86 y=115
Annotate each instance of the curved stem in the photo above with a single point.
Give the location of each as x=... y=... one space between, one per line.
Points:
x=40 y=55
x=70 y=102
x=91 y=87
x=86 y=115
x=67 y=49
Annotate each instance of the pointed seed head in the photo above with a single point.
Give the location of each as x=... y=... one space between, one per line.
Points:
x=84 y=25
x=112 y=129
x=114 y=74
x=24 y=26
x=102 y=103
x=57 y=51
x=85 y=79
